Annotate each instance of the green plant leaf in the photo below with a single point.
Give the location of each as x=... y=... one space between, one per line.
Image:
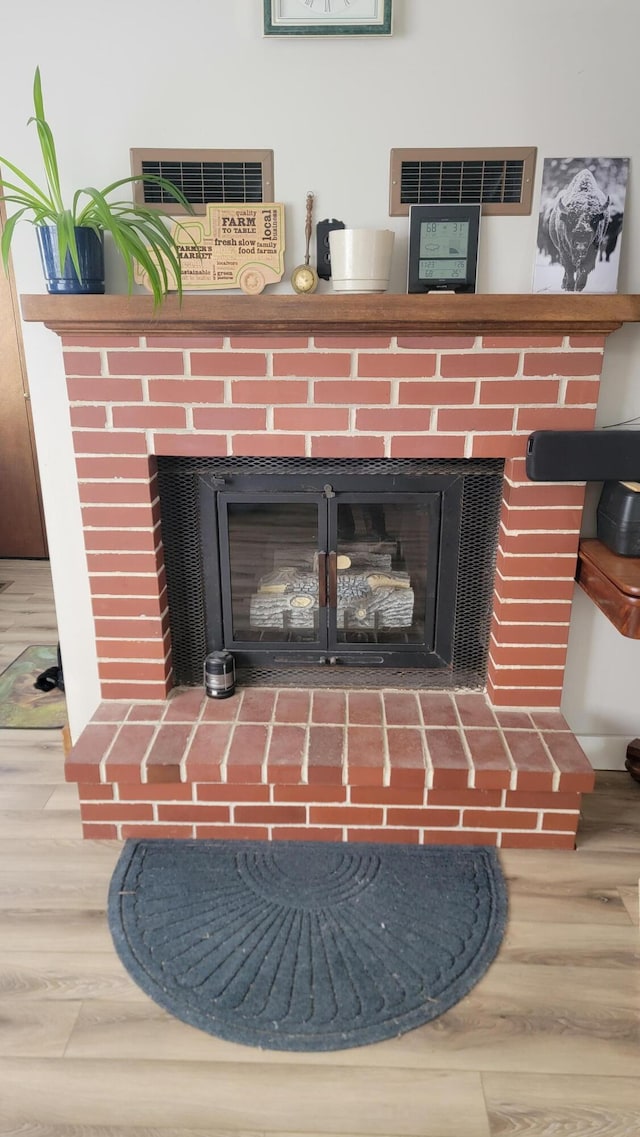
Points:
x=47 y=144
x=38 y=100
x=41 y=214
x=141 y=237
x=140 y=234
x=32 y=190
x=164 y=183
x=67 y=239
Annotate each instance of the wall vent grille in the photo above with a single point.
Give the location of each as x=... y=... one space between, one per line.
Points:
x=502 y=180
x=204 y=176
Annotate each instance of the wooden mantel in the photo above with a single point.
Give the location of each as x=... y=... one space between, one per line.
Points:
x=387 y=312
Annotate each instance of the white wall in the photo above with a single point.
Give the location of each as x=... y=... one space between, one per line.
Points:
x=561 y=75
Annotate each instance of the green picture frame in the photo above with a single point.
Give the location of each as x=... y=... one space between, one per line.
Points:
x=288 y=18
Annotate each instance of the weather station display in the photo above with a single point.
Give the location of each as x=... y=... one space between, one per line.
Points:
x=444 y=239
x=449 y=269
x=443 y=248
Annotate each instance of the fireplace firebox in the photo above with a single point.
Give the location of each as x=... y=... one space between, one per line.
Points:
x=332 y=572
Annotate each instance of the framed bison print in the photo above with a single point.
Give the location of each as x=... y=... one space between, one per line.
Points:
x=580 y=224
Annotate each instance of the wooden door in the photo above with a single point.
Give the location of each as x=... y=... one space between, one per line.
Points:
x=22 y=532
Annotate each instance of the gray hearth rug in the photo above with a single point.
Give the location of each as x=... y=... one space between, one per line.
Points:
x=302 y=945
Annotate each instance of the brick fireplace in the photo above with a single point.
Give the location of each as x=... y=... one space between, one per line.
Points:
x=329 y=377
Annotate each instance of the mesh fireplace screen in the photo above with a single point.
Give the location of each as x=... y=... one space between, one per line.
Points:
x=179 y=482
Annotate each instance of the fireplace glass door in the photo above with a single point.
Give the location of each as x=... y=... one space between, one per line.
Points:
x=333 y=576
x=270 y=569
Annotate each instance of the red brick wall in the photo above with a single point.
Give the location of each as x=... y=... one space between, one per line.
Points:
x=329 y=396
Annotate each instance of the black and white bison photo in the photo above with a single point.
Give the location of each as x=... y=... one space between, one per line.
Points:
x=579 y=224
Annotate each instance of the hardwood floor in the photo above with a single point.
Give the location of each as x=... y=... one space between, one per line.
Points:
x=547 y=1043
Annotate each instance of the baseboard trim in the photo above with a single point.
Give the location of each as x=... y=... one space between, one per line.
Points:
x=605 y=751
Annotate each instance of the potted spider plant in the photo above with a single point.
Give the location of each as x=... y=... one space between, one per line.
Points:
x=71 y=237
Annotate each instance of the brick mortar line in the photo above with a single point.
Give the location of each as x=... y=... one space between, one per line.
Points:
x=393 y=380
x=103 y=761
x=530 y=577
x=264 y=771
x=523 y=687
x=109 y=481
x=412 y=726
x=541 y=812
x=555 y=784
x=471 y=776
x=531 y=644
x=191 y=831
x=515 y=554
x=531 y=623
x=145 y=757
x=381 y=432
x=551 y=505
x=429 y=768
x=345 y=759
x=514 y=483
x=107 y=575
x=124 y=553
x=513 y=779
x=531 y=603
x=386 y=767
x=128 y=528
x=130 y=658
x=539 y=532
x=304 y=764
x=224 y=761
x=190 y=737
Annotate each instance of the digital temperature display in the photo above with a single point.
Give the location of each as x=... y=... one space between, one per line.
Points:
x=443 y=248
x=444 y=239
x=449 y=269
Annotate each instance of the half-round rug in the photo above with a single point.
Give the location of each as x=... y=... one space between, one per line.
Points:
x=303 y=945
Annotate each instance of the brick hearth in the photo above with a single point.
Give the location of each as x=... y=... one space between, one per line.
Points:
x=331 y=766
x=396 y=377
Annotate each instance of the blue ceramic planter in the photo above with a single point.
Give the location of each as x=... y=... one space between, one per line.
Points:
x=63 y=278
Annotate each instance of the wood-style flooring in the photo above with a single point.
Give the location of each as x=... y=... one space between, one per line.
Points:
x=548 y=1043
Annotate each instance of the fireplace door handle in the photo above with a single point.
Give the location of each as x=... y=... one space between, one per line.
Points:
x=322 y=580
x=332 y=579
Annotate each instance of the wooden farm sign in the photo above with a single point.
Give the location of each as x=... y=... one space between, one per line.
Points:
x=232 y=246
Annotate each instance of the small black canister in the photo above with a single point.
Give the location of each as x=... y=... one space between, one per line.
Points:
x=220 y=675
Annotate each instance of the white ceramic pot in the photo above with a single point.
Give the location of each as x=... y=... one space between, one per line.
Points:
x=361 y=259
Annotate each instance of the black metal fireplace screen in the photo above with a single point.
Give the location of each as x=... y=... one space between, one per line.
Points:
x=332 y=573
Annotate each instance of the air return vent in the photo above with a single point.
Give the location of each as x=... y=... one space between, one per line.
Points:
x=204 y=176
x=502 y=180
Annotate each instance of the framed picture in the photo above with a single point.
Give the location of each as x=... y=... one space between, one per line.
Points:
x=580 y=224
x=327 y=17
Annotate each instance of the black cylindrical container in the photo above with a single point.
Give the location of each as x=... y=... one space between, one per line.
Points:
x=219 y=675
